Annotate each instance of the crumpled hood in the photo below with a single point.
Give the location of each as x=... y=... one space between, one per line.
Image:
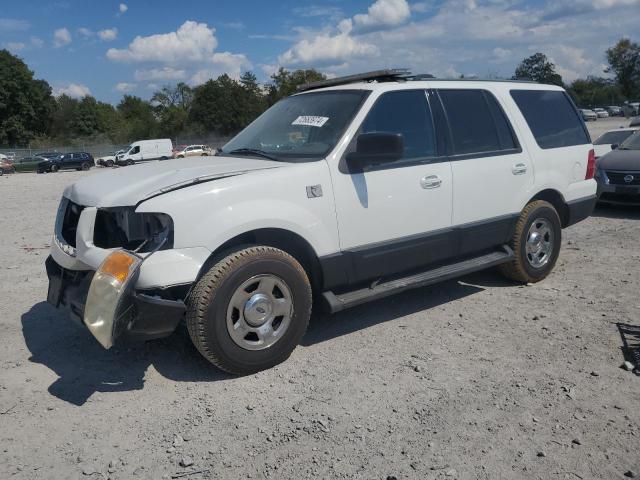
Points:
x=624 y=160
x=131 y=185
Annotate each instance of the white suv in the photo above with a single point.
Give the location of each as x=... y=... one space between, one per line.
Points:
x=350 y=191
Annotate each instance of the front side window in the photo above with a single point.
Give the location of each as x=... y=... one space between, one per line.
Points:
x=135 y=150
x=304 y=127
x=407 y=113
x=477 y=123
x=552 y=118
x=631 y=143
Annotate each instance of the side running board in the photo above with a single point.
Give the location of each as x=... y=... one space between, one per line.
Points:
x=357 y=297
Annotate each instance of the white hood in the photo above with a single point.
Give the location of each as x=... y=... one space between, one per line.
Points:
x=128 y=186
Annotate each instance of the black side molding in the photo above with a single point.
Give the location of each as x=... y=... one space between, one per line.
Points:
x=343 y=301
x=580 y=209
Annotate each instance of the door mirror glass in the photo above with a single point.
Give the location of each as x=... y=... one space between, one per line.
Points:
x=375 y=148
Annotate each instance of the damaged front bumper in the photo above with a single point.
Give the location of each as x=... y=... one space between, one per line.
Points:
x=138 y=315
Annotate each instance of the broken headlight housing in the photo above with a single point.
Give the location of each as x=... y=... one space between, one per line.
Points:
x=125 y=228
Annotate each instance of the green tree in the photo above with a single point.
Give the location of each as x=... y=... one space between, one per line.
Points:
x=26 y=104
x=538 y=68
x=225 y=105
x=624 y=63
x=285 y=83
x=172 y=105
x=595 y=92
x=138 y=119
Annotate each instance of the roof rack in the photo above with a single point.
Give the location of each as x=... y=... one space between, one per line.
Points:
x=386 y=75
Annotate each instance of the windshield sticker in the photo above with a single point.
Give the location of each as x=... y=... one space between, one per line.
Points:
x=310 y=121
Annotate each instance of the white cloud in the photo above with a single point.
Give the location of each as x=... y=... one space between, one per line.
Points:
x=85 y=32
x=61 y=37
x=16 y=46
x=125 y=87
x=73 y=90
x=122 y=8
x=108 y=34
x=165 y=73
x=36 y=42
x=383 y=13
x=326 y=49
x=192 y=42
x=421 y=7
x=224 y=62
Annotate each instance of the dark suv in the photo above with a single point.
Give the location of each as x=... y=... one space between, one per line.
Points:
x=68 y=161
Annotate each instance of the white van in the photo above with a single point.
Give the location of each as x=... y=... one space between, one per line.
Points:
x=146 y=150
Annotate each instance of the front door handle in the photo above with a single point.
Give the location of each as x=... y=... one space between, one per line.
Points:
x=519 y=169
x=430 y=181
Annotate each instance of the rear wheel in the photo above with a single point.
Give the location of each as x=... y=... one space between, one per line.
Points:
x=130 y=162
x=86 y=166
x=109 y=163
x=536 y=243
x=250 y=310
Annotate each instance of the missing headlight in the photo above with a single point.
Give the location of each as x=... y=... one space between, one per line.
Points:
x=124 y=228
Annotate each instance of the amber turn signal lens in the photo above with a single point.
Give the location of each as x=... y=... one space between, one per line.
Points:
x=118 y=265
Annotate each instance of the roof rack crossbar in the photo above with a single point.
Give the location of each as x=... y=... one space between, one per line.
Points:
x=386 y=75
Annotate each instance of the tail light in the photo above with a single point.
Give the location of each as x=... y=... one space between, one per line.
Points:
x=591 y=165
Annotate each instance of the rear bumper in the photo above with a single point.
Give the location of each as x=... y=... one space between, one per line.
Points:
x=150 y=317
x=580 y=209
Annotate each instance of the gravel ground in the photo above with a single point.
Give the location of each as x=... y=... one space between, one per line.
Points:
x=477 y=378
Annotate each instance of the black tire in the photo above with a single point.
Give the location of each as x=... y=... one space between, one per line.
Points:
x=180 y=156
x=130 y=162
x=1 y=172
x=209 y=301
x=521 y=268
x=204 y=155
x=109 y=163
x=54 y=168
x=86 y=166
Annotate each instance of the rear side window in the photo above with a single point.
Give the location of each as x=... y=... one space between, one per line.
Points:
x=406 y=112
x=478 y=124
x=552 y=118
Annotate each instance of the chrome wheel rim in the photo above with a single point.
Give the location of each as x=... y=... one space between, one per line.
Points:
x=539 y=247
x=259 y=312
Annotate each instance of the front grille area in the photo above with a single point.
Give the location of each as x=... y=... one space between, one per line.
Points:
x=617 y=178
x=620 y=198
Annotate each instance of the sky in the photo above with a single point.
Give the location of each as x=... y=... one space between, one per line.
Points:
x=108 y=48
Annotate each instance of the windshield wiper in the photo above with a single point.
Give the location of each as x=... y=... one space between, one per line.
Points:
x=253 y=151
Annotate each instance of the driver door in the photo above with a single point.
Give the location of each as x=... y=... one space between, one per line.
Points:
x=396 y=216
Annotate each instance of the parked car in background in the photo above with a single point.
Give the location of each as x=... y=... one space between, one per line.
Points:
x=615 y=111
x=611 y=140
x=27 y=164
x=194 y=151
x=635 y=106
x=618 y=173
x=67 y=161
x=588 y=115
x=635 y=122
x=144 y=151
x=6 y=166
x=109 y=160
x=601 y=112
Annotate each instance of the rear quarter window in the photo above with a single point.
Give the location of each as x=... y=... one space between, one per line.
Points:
x=552 y=118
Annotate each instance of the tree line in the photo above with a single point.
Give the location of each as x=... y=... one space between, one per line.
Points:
x=30 y=114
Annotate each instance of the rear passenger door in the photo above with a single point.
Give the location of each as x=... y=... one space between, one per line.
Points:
x=490 y=171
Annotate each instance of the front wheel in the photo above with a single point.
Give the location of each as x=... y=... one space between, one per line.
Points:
x=54 y=168
x=109 y=163
x=536 y=243
x=250 y=310
x=86 y=166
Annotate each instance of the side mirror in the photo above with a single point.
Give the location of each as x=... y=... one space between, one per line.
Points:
x=614 y=146
x=375 y=148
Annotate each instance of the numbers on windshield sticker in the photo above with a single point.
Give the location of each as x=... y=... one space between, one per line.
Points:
x=310 y=121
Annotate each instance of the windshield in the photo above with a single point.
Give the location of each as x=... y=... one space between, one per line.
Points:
x=611 y=138
x=299 y=128
x=631 y=143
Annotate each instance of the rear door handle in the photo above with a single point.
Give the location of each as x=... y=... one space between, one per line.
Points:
x=519 y=169
x=430 y=181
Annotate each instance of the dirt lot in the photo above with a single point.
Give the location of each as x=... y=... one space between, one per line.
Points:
x=477 y=378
